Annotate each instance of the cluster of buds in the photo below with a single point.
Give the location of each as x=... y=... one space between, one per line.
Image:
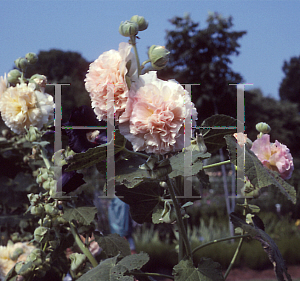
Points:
x=45 y=178
x=131 y=27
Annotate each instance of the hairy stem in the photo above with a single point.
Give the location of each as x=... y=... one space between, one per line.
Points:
x=133 y=43
x=219 y=240
x=216 y=164
x=180 y=224
x=82 y=247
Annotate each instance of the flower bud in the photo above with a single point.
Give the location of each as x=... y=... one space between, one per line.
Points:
x=17 y=252
x=41 y=234
x=142 y=23
x=51 y=209
x=50 y=184
x=43 y=175
x=201 y=144
x=21 y=63
x=76 y=260
x=39 y=80
x=33 y=134
x=33 y=198
x=13 y=76
x=32 y=58
x=128 y=28
x=37 y=256
x=37 y=210
x=159 y=56
x=263 y=127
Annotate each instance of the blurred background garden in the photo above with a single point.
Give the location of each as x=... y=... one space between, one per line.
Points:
x=202 y=50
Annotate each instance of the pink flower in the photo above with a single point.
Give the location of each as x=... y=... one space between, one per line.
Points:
x=106 y=81
x=154 y=117
x=274 y=156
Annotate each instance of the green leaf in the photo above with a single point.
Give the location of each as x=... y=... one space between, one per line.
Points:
x=113 y=244
x=268 y=245
x=214 y=138
x=95 y=155
x=110 y=270
x=84 y=215
x=177 y=163
x=142 y=199
x=258 y=175
x=207 y=270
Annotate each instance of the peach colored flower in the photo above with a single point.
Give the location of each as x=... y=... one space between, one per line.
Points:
x=22 y=106
x=274 y=156
x=7 y=252
x=106 y=81
x=241 y=138
x=154 y=117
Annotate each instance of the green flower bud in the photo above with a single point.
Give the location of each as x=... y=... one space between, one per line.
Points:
x=37 y=210
x=39 y=80
x=168 y=214
x=49 y=184
x=37 y=256
x=33 y=198
x=201 y=144
x=51 y=209
x=33 y=134
x=159 y=56
x=32 y=58
x=18 y=266
x=76 y=260
x=41 y=234
x=43 y=175
x=142 y=23
x=263 y=127
x=13 y=76
x=17 y=252
x=21 y=63
x=46 y=222
x=128 y=28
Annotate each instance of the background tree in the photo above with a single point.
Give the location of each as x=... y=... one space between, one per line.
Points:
x=64 y=67
x=202 y=56
x=290 y=85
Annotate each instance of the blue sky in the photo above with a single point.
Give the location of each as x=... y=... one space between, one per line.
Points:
x=91 y=28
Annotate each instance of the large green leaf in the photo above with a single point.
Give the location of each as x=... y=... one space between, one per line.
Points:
x=95 y=155
x=84 y=215
x=113 y=244
x=110 y=270
x=214 y=138
x=142 y=199
x=258 y=175
x=207 y=270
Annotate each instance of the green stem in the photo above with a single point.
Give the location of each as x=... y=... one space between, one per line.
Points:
x=46 y=161
x=136 y=153
x=216 y=164
x=82 y=246
x=219 y=240
x=238 y=247
x=151 y=274
x=133 y=43
x=181 y=228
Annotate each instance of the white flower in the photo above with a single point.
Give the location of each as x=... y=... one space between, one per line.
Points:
x=23 y=105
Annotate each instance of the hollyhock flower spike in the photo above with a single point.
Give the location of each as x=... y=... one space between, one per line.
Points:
x=106 y=81
x=154 y=117
x=274 y=156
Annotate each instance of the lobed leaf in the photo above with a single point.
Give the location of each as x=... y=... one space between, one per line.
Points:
x=84 y=215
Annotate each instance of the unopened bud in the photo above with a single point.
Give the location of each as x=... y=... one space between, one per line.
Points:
x=33 y=134
x=41 y=234
x=32 y=58
x=39 y=80
x=263 y=127
x=37 y=256
x=13 y=76
x=159 y=56
x=128 y=28
x=21 y=63
x=142 y=23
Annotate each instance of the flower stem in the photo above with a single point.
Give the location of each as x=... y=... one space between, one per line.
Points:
x=216 y=164
x=181 y=227
x=133 y=43
x=219 y=240
x=151 y=274
x=82 y=246
x=136 y=153
x=238 y=247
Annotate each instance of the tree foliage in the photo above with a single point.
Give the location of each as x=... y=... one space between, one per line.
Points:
x=203 y=56
x=290 y=85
